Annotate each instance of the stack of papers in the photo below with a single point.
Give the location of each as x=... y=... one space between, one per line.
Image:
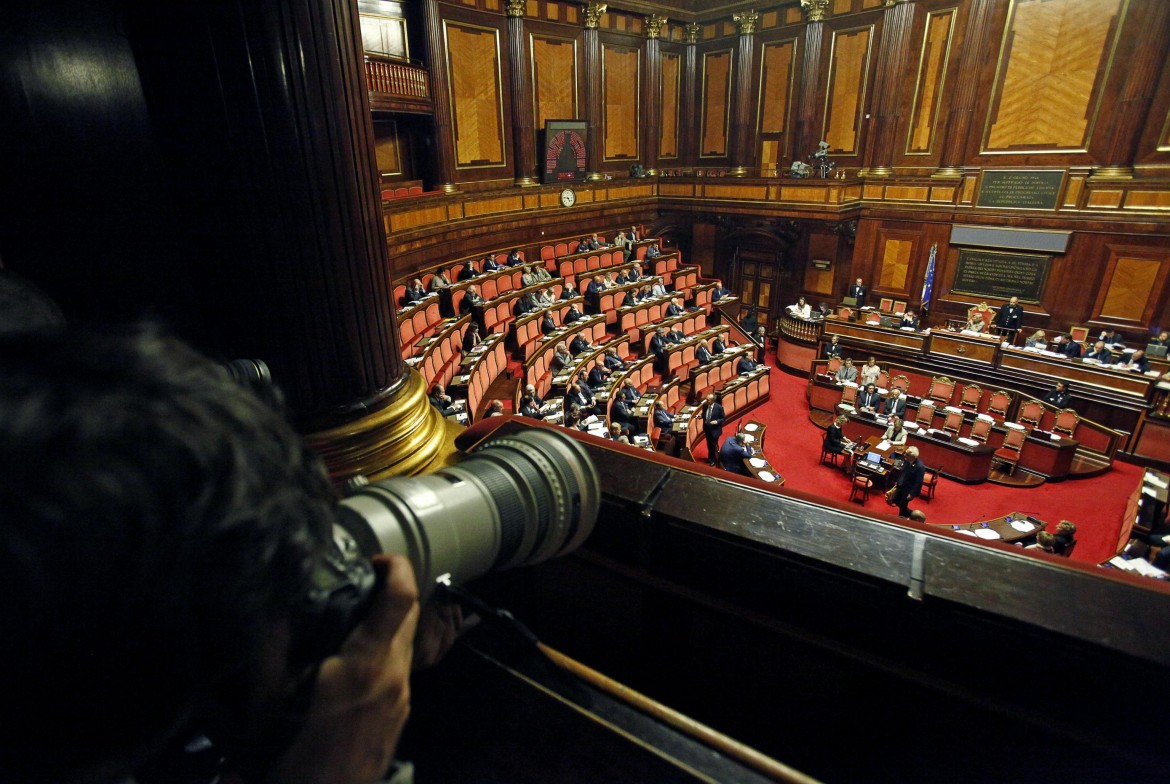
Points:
x=986 y=533
x=1023 y=526
x=757 y=462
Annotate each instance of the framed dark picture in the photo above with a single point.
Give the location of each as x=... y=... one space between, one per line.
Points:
x=564 y=151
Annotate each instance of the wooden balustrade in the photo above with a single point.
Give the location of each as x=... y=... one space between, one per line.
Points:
x=397 y=78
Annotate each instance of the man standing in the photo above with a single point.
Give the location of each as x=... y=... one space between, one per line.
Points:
x=857 y=291
x=713 y=418
x=1009 y=319
x=909 y=483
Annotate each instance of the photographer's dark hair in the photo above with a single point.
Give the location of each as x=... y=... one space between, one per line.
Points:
x=156 y=529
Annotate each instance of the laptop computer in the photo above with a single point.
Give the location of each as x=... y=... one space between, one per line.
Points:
x=1156 y=350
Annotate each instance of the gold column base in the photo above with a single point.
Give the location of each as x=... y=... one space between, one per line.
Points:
x=948 y=173
x=738 y=171
x=594 y=176
x=877 y=171
x=407 y=436
x=526 y=182
x=449 y=187
x=651 y=172
x=1111 y=173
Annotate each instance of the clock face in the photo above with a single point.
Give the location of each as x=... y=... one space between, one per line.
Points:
x=568 y=197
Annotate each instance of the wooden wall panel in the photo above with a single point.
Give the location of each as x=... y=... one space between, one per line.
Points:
x=716 y=103
x=477 y=102
x=671 y=86
x=1054 y=59
x=620 y=85
x=1133 y=285
x=893 y=263
x=777 y=85
x=930 y=84
x=386 y=148
x=845 y=95
x=554 y=79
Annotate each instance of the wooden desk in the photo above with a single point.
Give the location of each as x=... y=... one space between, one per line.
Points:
x=973 y=348
x=758 y=466
x=1007 y=529
x=953 y=460
x=875 y=336
x=1079 y=373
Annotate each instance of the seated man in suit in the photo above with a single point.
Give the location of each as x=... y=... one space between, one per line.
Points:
x=441 y=400
x=719 y=292
x=745 y=365
x=1163 y=339
x=471 y=299
x=522 y=305
x=663 y=418
x=718 y=346
x=869 y=399
x=613 y=361
x=471 y=338
x=529 y=408
x=733 y=453
x=598 y=376
x=895 y=404
x=833 y=348
x=1067 y=346
x=1059 y=395
x=653 y=252
x=658 y=290
x=621 y=279
x=542 y=273
x=629 y=392
x=634 y=275
x=909 y=320
x=467 y=271
x=545 y=297
x=674 y=308
x=673 y=336
x=586 y=395
x=847 y=372
x=621 y=241
x=530 y=391
x=1137 y=362
x=514 y=258
x=1100 y=353
x=573 y=315
x=583 y=246
x=561 y=358
x=569 y=292
x=547 y=325
x=631 y=298
x=621 y=413
x=414 y=293
x=579 y=345
x=702 y=354
x=489 y=264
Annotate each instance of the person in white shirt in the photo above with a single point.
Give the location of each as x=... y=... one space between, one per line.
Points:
x=870 y=372
x=895 y=433
x=801 y=309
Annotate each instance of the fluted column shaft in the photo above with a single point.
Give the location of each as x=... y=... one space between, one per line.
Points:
x=742 y=138
x=807 y=118
x=440 y=96
x=591 y=46
x=651 y=104
x=895 y=45
x=523 y=133
x=958 y=123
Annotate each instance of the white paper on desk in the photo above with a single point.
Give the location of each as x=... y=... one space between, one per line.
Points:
x=968 y=441
x=884 y=444
x=1013 y=425
x=966 y=531
x=1054 y=436
x=757 y=462
x=747 y=439
x=987 y=533
x=751 y=428
x=1023 y=526
x=767 y=477
x=1156 y=481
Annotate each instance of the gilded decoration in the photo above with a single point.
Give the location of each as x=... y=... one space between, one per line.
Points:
x=516 y=7
x=654 y=25
x=745 y=23
x=593 y=12
x=817 y=9
x=692 y=31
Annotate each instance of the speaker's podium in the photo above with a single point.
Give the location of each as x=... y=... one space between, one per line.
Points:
x=850 y=648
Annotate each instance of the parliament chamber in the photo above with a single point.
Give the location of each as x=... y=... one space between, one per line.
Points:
x=268 y=179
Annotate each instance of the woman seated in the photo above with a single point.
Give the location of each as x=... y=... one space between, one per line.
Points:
x=1037 y=340
x=835 y=441
x=1064 y=538
x=801 y=309
x=895 y=433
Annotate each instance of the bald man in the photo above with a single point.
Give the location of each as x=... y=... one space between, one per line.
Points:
x=909 y=483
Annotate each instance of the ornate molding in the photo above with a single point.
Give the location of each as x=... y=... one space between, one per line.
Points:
x=654 y=24
x=593 y=12
x=745 y=23
x=817 y=10
x=691 y=31
x=516 y=7
x=892 y=3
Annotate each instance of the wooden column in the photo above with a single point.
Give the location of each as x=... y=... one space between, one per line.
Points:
x=689 y=143
x=591 y=44
x=441 y=96
x=1148 y=35
x=958 y=123
x=808 y=119
x=652 y=103
x=523 y=133
x=888 y=87
x=742 y=139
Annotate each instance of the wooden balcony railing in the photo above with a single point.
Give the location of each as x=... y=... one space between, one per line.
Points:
x=397 y=78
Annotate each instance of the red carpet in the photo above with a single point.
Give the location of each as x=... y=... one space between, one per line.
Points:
x=1096 y=505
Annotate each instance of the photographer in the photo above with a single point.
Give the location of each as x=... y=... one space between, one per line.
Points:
x=160 y=529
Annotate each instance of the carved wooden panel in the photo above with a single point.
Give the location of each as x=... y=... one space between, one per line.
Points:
x=554 y=78
x=1132 y=285
x=473 y=63
x=620 y=83
x=386 y=147
x=893 y=264
x=671 y=70
x=845 y=96
x=716 y=103
x=931 y=81
x=777 y=66
x=1054 y=57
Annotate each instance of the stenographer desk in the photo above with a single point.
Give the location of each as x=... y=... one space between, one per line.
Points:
x=952 y=459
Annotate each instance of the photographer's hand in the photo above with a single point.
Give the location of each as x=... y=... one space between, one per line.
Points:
x=362 y=696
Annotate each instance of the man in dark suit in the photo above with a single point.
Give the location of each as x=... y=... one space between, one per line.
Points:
x=733 y=453
x=1100 y=353
x=869 y=399
x=561 y=358
x=1009 y=318
x=569 y=292
x=613 y=361
x=658 y=346
x=598 y=376
x=909 y=483
x=745 y=365
x=674 y=309
x=634 y=274
x=858 y=291
x=702 y=354
x=414 y=293
x=663 y=418
x=1059 y=396
x=547 y=325
x=490 y=264
x=471 y=299
x=441 y=400
x=718 y=346
x=583 y=245
x=593 y=295
x=621 y=413
x=1072 y=349
x=579 y=345
x=629 y=392
x=719 y=292
x=713 y=418
x=467 y=271
x=572 y=315
x=833 y=348
x=895 y=405
x=529 y=408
